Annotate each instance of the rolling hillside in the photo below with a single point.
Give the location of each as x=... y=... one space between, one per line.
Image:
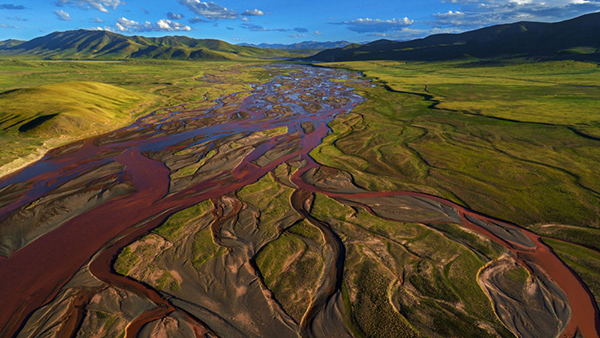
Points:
x=577 y=38
x=84 y=44
x=38 y=118
x=10 y=43
x=65 y=108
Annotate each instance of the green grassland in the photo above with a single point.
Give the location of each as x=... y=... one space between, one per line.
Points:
x=173 y=228
x=585 y=262
x=514 y=140
x=178 y=226
x=44 y=103
x=408 y=280
x=290 y=263
x=56 y=113
x=138 y=262
x=291 y=267
x=272 y=209
x=143 y=260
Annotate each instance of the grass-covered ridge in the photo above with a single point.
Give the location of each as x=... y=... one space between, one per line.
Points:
x=574 y=39
x=73 y=107
x=103 y=45
x=38 y=118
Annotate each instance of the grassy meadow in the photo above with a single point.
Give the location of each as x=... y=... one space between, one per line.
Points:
x=585 y=262
x=45 y=103
x=518 y=141
x=515 y=141
x=409 y=280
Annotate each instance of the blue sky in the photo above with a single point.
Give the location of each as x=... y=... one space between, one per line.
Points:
x=277 y=21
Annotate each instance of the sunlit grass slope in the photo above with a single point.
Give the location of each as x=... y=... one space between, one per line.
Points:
x=68 y=108
x=36 y=118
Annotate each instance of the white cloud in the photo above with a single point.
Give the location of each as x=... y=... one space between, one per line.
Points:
x=11 y=7
x=408 y=33
x=98 y=28
x=16 y=18
x=163 y=25
x=449 y=14
x=209 y=10
x=197 y=20
x=257 y=28
x=376 y=25
x=244 y=19
x=489 y=12
x=95 y=4
x=254 y=12
x=173 y=16
x=451 y=18
x=317 y=33
x=296 y=36
x=97 y=20
x=8 y=26
x=62 y=15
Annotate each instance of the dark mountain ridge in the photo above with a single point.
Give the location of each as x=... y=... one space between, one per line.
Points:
x=577 y=38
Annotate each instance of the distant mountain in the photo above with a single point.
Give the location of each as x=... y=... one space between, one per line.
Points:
x=85 y=44
x=10 y=43
x=306 y=45
x=577 y=38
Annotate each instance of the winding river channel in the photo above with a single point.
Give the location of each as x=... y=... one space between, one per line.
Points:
x=84 y=202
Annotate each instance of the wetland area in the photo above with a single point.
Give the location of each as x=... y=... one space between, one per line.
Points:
x=220 y=216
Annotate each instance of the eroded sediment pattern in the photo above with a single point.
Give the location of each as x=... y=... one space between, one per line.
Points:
x=217 y=222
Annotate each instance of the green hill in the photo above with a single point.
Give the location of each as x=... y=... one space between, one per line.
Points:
x=36 y=119
x=10 y=43
x=67 y=107
x=576 y=39
x=84 y=44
